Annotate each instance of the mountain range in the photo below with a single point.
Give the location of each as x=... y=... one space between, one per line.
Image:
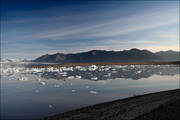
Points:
x=132 y=55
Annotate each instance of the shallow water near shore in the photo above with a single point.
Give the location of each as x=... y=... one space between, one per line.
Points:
x=28 y=93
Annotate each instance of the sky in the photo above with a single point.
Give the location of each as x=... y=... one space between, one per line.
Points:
x=31 y=28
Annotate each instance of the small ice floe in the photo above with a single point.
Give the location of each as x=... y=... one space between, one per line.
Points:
x=22 y=79
x=113 y=69
x=70 y=77
x=158 y=65
x=101 y=69
x=92 y=92
x=50 y=106
x=106 y=68
x=116 y=66
x=78 y=77
x=92 y=67
x=56 y=85
x=78 y=67
x=67 y=68
x=102 y=66
x=94 y=78
x=132 y=66
x=138 y=72
x=73 y=90
x=71 y=84
x=50 y=69
x=83 y=69
x=42 y=83
x=35 y=70
x=55 y=70
x=87 y=86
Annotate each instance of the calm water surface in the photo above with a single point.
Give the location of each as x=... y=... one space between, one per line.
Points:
x=32 y=94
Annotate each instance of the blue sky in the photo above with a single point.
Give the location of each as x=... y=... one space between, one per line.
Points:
x=31 y=28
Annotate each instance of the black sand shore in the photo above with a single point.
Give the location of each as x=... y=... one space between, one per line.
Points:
x=155 y=106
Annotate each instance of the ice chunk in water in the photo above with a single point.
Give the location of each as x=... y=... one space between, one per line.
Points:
x=67 y=68
x=106 y=68
x=73 y=90
x=94 y=78
x=70 y=77
x=78 y=67
x=42 y=83
x=92 y=92
x=138 y=72
x=22 y=79
x=87 y=86
x=79 y=77
x=92 y=67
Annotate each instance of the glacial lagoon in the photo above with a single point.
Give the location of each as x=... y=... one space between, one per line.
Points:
x=33 y=93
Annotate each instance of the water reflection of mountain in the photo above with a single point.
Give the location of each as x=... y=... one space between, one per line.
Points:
x=127 y=72
x=92 y=72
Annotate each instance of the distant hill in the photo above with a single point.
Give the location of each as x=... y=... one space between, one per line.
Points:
x=169 y=55
x=133 y=55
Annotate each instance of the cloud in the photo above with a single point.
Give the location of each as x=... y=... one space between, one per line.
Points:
x=116 y=27
x=99 y=27
x=107 y=27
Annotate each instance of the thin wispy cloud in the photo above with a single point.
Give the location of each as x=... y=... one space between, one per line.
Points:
x=79 y=27
x=113 y=27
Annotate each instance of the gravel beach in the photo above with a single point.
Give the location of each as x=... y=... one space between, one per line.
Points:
x=154 y=106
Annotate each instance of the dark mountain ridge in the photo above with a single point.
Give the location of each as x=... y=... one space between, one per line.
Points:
x=133 y=55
